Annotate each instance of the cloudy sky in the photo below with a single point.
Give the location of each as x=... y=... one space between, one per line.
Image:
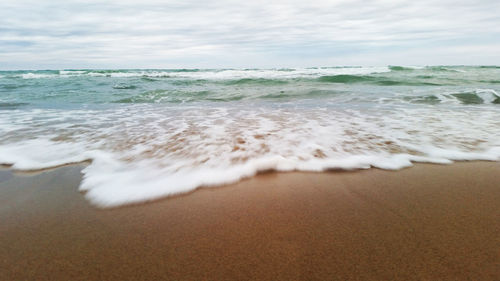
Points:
x=55 y=34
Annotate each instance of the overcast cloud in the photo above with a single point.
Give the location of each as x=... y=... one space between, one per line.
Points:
x=212 y=34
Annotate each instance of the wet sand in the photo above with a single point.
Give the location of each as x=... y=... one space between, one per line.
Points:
x=429 y=222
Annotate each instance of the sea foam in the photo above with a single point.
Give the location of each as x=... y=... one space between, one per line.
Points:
x=143 y=152
x=208 y=74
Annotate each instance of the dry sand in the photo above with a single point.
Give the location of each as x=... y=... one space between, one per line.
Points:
x=429 y=222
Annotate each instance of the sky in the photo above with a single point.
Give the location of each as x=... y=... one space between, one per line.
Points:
x=68 y=34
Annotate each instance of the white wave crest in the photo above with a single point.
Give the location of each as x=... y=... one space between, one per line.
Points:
x=224 y=74
x=37 y=75
x=487 y=95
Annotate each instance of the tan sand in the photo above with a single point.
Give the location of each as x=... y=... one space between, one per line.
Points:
x=429 y=222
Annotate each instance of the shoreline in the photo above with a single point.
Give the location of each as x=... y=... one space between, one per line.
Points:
x=425 y=222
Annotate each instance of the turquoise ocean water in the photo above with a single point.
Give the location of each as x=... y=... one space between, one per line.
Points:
x=152 y=133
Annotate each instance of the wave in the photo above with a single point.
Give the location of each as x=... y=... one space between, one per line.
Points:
x=154 y=96
x=376 y=80
x=11 y=86
x=468 y=98
x=245 y=76
x=489 y=66
x=207 y=74
x=257 y=81
x=383 y=76
x=144 y=152
x=476 y=97
x=488 y=96
x=301 y=94
x=443 y=69
x=425 y=76
x=400 y=68
x=480 y=96
x=168 y=96
x=385 y=82
x=345 y=79
x=111 y=191
x=12 y=105
x=235 y=97
x=187 y=70
x=490 y=81
x=428 y=99
x=109 y=181
x=124 y=87
x=149 y=79
x=37 y=75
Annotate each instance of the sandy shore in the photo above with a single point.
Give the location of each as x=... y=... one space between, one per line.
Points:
x=429 y=222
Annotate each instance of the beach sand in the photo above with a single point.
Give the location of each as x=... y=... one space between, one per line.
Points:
x=428 y=222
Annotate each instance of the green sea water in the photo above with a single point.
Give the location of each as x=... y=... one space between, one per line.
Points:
x=51 y=87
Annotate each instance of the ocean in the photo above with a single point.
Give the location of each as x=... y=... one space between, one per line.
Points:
x=147 y=134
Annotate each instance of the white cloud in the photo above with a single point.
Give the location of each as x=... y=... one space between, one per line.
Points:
x=148 y=33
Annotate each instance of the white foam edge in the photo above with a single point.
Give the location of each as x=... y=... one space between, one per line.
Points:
x=110 y=182
x=140 y=182
x=38 y=154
